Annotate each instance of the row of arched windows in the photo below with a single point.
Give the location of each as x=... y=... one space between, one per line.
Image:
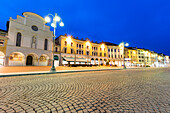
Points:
x=33 y=43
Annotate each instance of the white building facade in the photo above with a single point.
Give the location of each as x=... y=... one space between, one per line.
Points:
x=29 y=41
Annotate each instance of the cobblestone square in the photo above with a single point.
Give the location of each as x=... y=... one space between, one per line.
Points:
x=131 y=90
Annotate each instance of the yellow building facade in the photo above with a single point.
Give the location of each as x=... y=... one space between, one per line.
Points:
x=131 y=56
x=76 y=51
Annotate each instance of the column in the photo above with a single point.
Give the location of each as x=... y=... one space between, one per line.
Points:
x=6 y=61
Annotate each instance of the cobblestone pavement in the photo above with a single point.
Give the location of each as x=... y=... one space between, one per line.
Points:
x=137 y=90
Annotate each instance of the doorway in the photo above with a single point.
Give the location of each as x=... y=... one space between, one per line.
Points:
x=29 y=60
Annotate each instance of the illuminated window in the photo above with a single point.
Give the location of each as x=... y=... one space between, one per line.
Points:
x=72 y=44
x=87 y=47
x=65 y=43
x=105 y=54
x=1 y=42
x=16 y=57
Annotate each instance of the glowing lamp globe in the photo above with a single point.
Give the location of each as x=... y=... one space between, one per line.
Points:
x=47 y=19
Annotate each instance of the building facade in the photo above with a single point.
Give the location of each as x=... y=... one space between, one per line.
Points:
x=29 y=41
x=76 y=51
x=3 y=46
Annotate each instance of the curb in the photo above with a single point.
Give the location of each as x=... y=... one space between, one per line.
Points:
x=39 y=73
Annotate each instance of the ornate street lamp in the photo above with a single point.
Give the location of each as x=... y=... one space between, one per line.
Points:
x=123 y=44
x=56 y=20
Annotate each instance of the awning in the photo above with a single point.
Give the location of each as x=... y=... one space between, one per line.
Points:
x=71 y=59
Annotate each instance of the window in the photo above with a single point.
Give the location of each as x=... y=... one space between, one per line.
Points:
x=112 y=56
x=104 y=49
x=96 y=48
x=92 y=53
x=79 y=45
x=118 y=50
x=87 y=53
x=1 y=42
x=100 y=49
x=35 y=28
x=82 y=46
x=100 y=54
x=87 y=47
x=105 y=54
x=71 y=44
x=92 y=48
x=65 y=43
x=18 y=41
x=109 y=55
x=111 y=50
x=115 y=50
x=33 y=44
x=46 y=44
x=82 y=52
x=108 y=50
x=96 y=54
x=139 y=60
x=118 y=56
x=121 y=56
x=56 y=49
x=115 y=56
x=65 y=50
x=71 y=51
x=77 y=51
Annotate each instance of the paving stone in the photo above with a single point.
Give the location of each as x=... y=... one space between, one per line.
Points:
x=139 y=90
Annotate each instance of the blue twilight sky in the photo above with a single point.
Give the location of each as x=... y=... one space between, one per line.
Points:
x=141 y=23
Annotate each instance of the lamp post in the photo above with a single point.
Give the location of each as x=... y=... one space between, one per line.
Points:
x=56 y=19
x=123 y=44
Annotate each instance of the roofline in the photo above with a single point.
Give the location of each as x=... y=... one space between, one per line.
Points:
x=30 y=13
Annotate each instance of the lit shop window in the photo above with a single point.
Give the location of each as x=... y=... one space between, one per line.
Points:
x=43 y=58
x=16 y=57
x=1 y=42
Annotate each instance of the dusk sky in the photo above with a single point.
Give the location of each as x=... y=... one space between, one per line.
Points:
x=141 y=23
